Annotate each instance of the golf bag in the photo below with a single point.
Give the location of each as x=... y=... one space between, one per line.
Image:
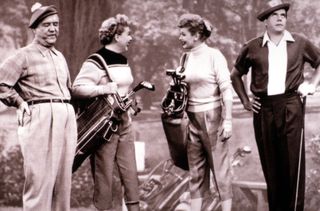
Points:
x=98 y=118
x=163 y=187
x=96 y=124
x=174 y=119
x=176 y=130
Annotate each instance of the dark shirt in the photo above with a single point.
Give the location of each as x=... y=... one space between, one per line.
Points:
x=255 y=56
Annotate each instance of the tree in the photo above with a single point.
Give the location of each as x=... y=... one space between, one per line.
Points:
x=13 y=21
x=156 y=46
x=304 y=18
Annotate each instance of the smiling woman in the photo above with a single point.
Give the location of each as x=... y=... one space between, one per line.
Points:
x=210 y=127
x=104 y=77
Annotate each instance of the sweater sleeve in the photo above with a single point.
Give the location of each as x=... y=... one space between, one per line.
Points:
x=221 y=71
x=88 y=82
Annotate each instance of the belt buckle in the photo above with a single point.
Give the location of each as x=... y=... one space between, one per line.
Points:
x=59 y=100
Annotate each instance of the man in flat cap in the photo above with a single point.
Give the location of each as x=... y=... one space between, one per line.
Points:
x=276 y=60
x=36 y=81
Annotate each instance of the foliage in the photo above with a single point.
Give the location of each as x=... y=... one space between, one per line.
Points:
x=304 y=18
x=156 y=45
x=313 y=174
x=81 y=192
x=155 y=41
x=13 y=23
x=11 y=183
x=12 y=180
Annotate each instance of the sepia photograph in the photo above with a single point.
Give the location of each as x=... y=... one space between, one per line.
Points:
x=159 y=105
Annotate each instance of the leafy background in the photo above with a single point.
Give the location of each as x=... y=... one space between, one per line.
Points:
x=155 y=48
x=155 y=45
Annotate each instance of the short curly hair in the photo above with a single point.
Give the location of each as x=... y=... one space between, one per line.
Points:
x=196 y=24
x=112 y=26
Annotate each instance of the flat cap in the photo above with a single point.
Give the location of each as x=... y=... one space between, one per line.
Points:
x=271 y=6
x=39 y=13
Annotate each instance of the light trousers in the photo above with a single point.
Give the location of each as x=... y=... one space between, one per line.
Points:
x=48 y=140
x=207 y=152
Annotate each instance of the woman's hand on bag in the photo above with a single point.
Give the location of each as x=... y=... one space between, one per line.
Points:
x=226 y=131
x=109 y=88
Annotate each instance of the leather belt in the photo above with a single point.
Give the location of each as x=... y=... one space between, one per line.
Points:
x=33 y=102
x=287 y=93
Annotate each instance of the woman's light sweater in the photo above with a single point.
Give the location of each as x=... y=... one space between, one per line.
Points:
x=208 y=77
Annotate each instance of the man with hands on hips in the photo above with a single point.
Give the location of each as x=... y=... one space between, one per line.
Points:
x=276 y=60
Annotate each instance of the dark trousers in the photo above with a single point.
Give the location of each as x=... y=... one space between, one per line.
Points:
x=119 y=152
x=278 y=128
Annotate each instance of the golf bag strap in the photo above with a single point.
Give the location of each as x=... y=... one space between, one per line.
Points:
x=80 y=104
x=183 y=61
x=99 y=61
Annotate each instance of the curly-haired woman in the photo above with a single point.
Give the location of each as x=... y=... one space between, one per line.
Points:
x=207 y=75
x=93 y=80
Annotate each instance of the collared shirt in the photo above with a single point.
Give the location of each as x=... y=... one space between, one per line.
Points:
x=254 y=56
x=277 y=67
x=34 y=72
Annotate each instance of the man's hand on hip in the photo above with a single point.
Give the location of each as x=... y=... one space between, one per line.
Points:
x=253 y=105
x=22 y=109
x=306 y=89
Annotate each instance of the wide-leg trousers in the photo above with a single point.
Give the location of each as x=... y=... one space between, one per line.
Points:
x=48 y=139
x=207 y=152
x=278 y=131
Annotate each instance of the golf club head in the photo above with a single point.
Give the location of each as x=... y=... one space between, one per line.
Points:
x=170 y=72
x=144 y=85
